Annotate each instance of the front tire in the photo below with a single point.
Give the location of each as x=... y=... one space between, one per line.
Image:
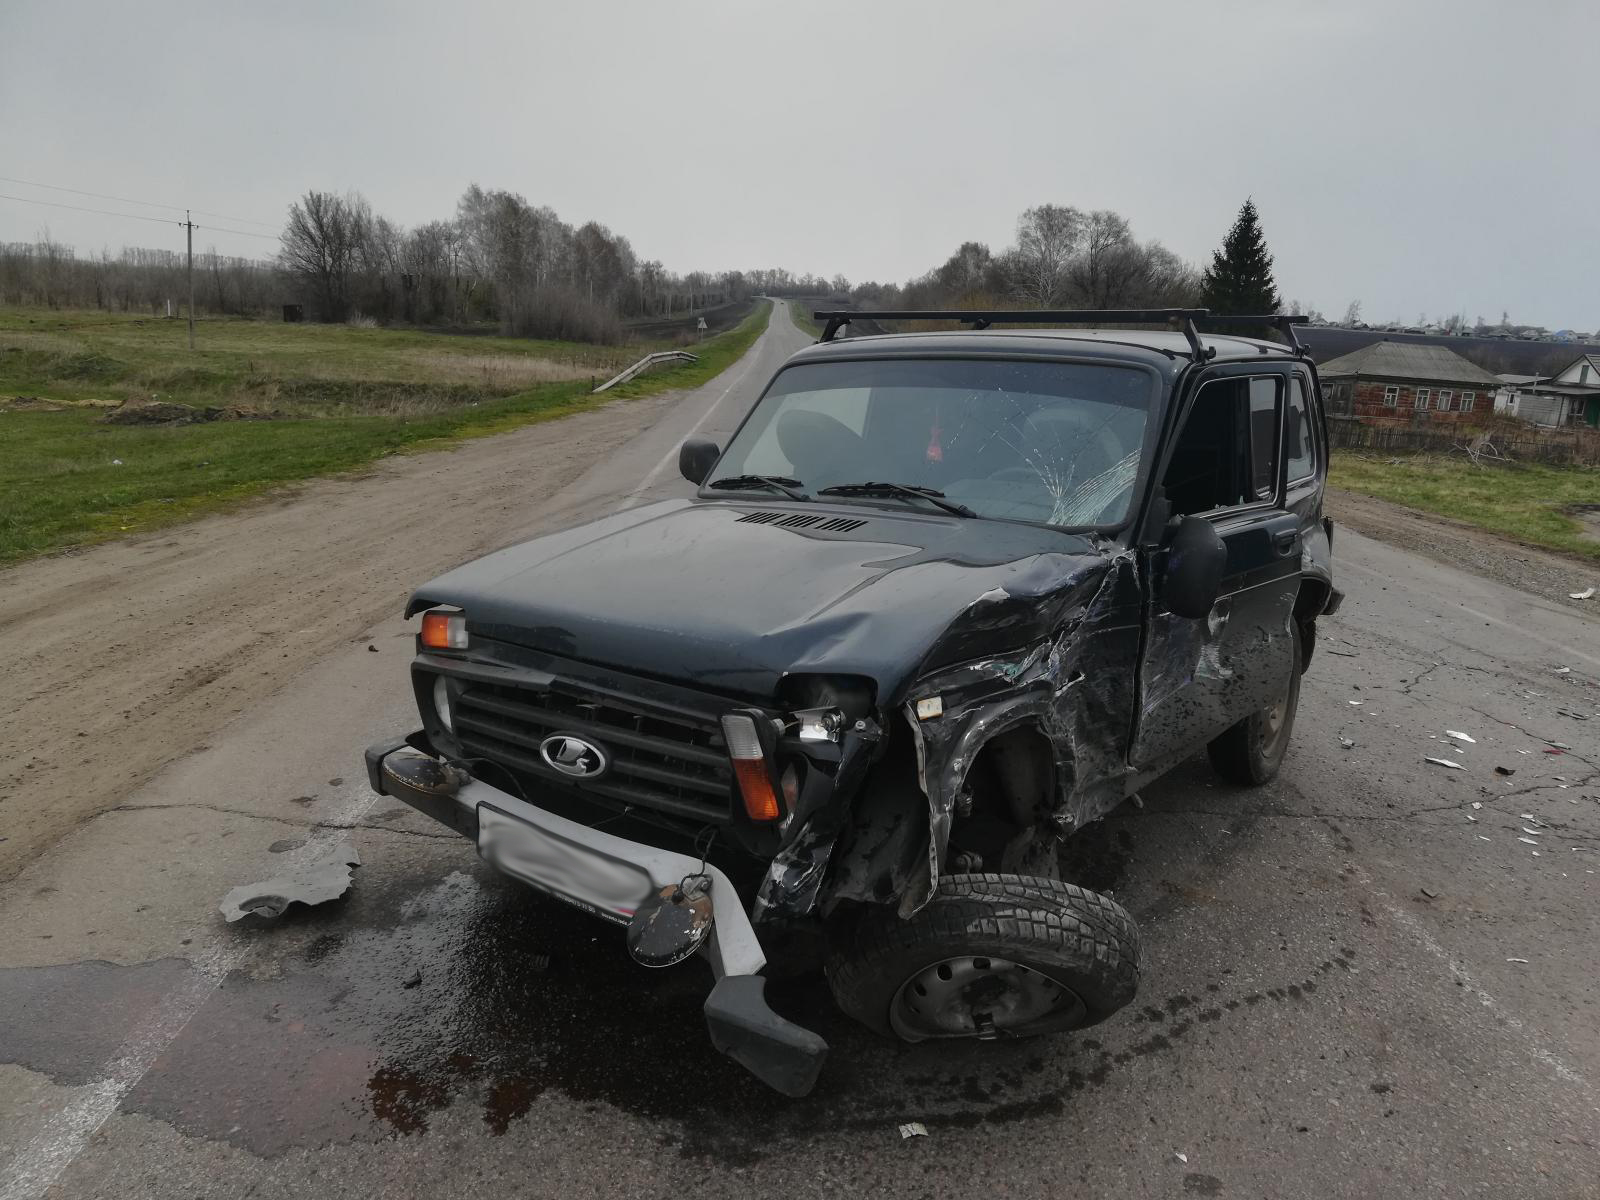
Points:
x=989 y=956
x=1250 y=753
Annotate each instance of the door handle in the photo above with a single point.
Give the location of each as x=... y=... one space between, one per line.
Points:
x=1286 y=541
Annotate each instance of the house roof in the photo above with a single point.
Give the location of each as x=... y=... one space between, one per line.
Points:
x=1407 y=360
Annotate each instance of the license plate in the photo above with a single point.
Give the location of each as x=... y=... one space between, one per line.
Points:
x=606 y=886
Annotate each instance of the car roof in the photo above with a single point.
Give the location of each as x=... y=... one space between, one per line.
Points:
x=1159 y=348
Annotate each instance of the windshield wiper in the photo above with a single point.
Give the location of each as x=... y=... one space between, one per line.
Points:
x=745 y=483
x=909 y=491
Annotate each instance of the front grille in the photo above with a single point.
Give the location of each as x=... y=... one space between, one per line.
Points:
x=675 y=764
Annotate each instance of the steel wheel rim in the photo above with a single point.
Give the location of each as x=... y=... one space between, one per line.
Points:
x=980 y=996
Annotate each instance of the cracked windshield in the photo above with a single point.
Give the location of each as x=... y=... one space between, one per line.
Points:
x=1052 y=443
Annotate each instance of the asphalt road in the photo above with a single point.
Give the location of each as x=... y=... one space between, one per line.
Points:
x=1361 y=980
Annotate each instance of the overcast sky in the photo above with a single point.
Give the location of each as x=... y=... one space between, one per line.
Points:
x=1414 y=155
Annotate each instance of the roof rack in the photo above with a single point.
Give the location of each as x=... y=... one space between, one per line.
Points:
x=1183 y=318
x=1283 y=322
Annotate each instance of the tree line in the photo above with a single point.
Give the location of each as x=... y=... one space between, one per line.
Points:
x=498 y=259
x=1063 y=257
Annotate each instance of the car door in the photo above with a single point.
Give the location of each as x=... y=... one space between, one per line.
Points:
x=1198 y=676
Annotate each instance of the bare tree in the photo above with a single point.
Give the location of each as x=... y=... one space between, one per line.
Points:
x=1047 y=238
x=322 y=244
x=1352 y=314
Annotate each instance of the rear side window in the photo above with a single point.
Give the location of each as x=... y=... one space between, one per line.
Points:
x=1264 y=405
x=1299 y=446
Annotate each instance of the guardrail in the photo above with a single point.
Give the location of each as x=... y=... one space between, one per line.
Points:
x=645 y=363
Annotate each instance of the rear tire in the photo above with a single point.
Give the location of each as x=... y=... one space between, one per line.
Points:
x=1250 y=753
x=989 y=956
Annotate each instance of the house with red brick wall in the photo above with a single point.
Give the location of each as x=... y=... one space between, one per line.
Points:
x=1410 y=383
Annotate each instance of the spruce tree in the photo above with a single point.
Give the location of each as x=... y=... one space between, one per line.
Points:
x=1239 y=279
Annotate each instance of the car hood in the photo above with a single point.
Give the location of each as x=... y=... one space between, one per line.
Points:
x=731 y=597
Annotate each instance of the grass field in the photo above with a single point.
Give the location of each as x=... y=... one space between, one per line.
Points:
x=339 y=397
x=1521 y=502
x=800 y=311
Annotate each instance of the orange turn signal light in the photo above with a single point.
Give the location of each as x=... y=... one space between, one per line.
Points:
x=750 y=768
x=444 y=631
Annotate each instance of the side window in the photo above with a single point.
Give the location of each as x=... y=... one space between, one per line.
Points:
x=1264 y=407
x=1299 y=447
x=1226 y=454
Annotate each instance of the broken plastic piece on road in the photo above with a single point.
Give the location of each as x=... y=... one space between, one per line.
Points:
x=1529 y=840
x=1520 y=960
x=1583 y=595
x=1429 y=893
x=1347 y=743
x=1460 y=737
x=1180 y=1156
x=1505 y=770
x=1357 y=702
x=1563 y=670
x=1472 y=818
x=1445 y=762
x=324 y=876
x=1477 y=804
x=913 y=1129
x=1481 y=838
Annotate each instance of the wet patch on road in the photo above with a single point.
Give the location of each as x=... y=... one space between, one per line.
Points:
x=521 y=1000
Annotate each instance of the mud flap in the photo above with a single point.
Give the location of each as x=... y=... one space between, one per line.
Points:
x=778 y=1052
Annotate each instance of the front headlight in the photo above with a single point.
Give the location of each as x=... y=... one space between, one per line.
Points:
x=441 y=702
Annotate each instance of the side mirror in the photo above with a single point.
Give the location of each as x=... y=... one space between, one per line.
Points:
x=1196 y=558
x=696 y=457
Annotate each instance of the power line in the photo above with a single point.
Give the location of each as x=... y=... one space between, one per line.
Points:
x=106 y=212
x=53 y=187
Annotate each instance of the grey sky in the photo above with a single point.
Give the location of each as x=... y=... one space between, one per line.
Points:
x=1412 y=154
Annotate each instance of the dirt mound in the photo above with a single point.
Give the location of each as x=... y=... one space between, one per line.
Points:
x=163 y=412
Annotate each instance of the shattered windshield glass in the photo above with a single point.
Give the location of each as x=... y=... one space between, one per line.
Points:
x=1051 y=442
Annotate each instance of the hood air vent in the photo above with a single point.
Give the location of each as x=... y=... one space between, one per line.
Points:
x=802 y=521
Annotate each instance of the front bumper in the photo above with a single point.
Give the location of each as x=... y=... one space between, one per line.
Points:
x=607 y=876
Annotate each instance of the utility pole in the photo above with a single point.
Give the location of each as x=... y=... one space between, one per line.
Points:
x=188 y=226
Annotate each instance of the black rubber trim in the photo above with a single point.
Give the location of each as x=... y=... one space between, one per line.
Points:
x=780 y=1053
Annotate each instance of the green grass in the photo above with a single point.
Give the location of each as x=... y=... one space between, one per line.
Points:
x=61 y=481
x=800 y=312
x=1521 y=502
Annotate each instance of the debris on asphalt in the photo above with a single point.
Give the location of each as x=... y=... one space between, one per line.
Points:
x=413 y=979
x=1445 y=762
x=1477 y=804
x=1563 y=670
x=1535 y=832
x=913 y=1129
x=1529 y=840
x=1180 y=1156
x=1520 y=960
x=1481 y=838
x=1528 y=817
x=1138 y=800
x=371 y=647
x=323 y=877
x=1573 y=713
x=1460 y=737
x=1347 y=743
x=1583 y=595
x=1429 y=893
x=1505 y=770
x=1472 y=818
x=1340 y=653
x=1357 y=701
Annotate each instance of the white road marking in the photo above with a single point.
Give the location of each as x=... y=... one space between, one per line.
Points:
x=1535 y=1048
x=37 y=1166
x=670 y=458
x=1563 y=648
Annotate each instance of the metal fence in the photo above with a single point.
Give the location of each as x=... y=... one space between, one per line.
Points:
x=1556 y=447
